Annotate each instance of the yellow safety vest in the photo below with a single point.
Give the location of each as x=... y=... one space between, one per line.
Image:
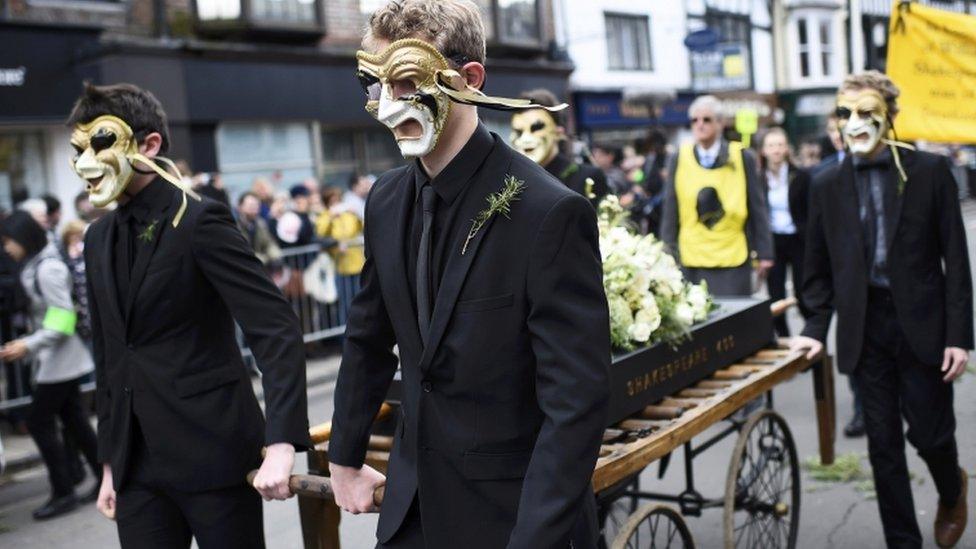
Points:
x=723 y=244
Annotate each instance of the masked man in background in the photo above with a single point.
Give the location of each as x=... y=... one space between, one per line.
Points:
x=178 y=424
x=538 y=133
x=471 y=249
x=886 y=250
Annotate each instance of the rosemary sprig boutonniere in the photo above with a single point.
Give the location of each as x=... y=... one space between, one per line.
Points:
x=147 y=234
x=498 y=203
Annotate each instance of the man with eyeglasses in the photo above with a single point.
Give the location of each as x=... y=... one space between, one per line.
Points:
x=714 y=215
x=886 y=249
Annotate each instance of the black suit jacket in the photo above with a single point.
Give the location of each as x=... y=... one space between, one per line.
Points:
x=168 y=356
x=928 y=261
x=798 y=195
x=503 y=411
x=574 y=176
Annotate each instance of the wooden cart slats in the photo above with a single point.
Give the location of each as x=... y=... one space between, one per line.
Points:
x=733 y=388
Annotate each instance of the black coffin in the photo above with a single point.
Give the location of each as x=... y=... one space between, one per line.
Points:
x=737 y=329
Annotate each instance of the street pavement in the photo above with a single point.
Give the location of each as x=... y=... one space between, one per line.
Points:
x=831 y=515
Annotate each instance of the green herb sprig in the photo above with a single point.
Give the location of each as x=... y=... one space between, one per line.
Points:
x=498 y=203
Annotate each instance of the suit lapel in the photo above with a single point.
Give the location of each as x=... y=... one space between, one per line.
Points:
x=107 y=264
x=146 y=247
x=849 y=203
x=394 y=277
x=490 y=180
x=896 y=201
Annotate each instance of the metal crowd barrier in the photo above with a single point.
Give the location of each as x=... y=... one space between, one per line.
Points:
x=319 y=320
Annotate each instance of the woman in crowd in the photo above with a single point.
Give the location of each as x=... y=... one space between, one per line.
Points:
x=342 y=229
x=787 y=188
x=60 y=356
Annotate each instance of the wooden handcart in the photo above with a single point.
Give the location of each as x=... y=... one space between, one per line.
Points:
x=761 y=503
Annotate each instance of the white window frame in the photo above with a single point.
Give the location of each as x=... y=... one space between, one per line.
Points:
x=820 y=75
x=643 y=35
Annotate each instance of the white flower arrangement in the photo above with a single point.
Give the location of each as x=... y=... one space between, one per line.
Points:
x=649 y=299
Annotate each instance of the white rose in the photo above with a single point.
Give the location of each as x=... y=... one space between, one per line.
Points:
x=684 y=314
x=640 y=332
x=650 y=316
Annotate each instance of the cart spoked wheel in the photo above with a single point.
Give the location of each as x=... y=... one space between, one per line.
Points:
x=654 y=526
x=617 y=514
x=762 y=492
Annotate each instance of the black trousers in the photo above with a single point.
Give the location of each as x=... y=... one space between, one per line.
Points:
x=61 y=400
x=894 y=384
x=151 y=515
x=789 y=252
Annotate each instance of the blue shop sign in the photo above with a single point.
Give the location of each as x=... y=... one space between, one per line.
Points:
x=609 y=110
x=702 y=40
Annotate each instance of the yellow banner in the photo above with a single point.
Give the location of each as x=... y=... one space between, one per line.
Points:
x=932 y=58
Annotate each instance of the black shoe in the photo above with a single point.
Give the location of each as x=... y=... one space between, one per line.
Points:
x=56 y=507
x=855 y=428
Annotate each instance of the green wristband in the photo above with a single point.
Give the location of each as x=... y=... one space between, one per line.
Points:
x=60 y=320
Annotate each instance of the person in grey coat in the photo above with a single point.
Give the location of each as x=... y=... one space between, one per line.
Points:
x=60 y=357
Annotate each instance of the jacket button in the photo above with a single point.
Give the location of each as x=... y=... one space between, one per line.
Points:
x=127 y=389
x=426 y=386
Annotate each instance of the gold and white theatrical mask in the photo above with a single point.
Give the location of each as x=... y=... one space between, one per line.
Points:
x=106 y=151
x=536 y=135
x=409 y=88
x=862 y=116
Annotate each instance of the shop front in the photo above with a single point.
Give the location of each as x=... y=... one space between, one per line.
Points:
x=40 y=76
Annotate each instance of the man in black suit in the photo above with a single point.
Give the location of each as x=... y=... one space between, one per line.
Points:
x=538 y=133
x=886 y=249
x=502 y=326
x=178 y=424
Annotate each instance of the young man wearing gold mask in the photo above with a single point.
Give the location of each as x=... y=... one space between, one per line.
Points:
x=886 y=250
x=168 y=276
x=538 y=134
x=485 y=272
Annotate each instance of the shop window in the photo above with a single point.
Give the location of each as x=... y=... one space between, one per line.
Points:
x=628 y=42
x=357 y=151
x=21 y=168
x=284 y=11
x=875 y=35
x=803 y=45
x=815 y=60
x=731 y=27
x=280 y=151
x=517 y=22
x=286 y=20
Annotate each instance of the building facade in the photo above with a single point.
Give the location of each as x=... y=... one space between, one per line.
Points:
x=252 y=87
x=640 y=64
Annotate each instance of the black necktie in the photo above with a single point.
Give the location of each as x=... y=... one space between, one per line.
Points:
x=427 y=201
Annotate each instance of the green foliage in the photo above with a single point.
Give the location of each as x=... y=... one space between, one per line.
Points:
x=498 y=203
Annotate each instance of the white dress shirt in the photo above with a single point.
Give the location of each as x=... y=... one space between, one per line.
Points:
x=708 y=157
x=780 y=220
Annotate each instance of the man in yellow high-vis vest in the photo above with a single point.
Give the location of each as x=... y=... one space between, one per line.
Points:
x=714 y=215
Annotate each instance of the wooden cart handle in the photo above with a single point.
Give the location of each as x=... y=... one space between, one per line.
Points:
x=320 y=433
x=778 y=308
x=315 y=486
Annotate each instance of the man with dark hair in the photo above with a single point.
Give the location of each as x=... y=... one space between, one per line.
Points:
x=886 y=249
x=538 y=133
x=53 y=213
x=178 y=424
x=255 y=228
x=470 y=249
